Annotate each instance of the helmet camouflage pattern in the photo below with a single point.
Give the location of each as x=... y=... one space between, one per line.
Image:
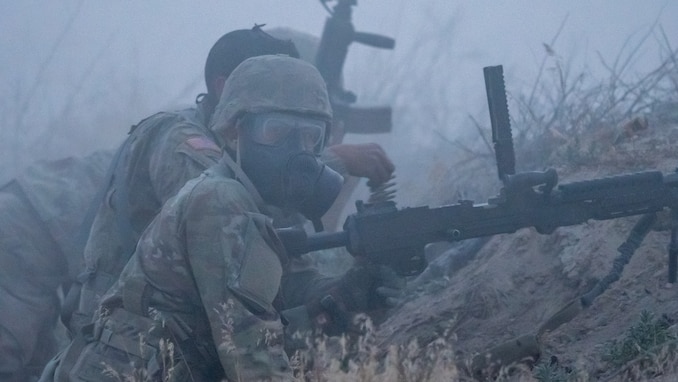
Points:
x=271 y=83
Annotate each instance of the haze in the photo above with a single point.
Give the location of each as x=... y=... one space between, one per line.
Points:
x=75 y=74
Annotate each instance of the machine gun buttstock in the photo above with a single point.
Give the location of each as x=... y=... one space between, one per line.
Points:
x=297 y=242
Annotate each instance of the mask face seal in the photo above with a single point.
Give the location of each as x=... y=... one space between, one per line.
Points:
x=279 y=153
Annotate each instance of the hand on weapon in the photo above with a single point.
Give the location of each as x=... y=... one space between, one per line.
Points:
x=663 y=222
x=367 y=287
x=367 y=160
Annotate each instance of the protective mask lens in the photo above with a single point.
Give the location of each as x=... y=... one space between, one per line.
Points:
x=273 y=129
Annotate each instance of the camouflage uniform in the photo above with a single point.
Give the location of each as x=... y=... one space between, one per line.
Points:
x=42 y=210
x=202 y=297
x=163 y=152
x=207 y=261
x=160 y=155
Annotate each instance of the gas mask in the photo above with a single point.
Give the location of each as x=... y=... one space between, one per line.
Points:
x=279 y=154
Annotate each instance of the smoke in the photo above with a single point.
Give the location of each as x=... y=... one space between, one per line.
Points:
x=77 y=74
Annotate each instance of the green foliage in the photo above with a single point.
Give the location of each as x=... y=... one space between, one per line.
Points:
x=642 y=338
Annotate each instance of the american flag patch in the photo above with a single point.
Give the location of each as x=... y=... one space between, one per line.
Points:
x=202 y=143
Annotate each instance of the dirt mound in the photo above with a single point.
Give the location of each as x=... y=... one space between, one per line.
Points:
x=515 y=282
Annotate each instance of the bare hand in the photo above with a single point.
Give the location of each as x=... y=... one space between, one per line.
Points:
x=367 y=160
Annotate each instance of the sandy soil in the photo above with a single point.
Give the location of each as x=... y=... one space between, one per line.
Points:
x=516 y=282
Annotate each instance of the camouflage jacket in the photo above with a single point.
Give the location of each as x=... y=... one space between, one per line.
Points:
x=218 y=274
x=160 y=155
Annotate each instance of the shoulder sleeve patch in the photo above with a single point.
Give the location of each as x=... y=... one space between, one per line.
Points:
x=202 y=143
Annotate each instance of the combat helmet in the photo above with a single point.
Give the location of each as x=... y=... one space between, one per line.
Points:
x=271 y=83
x=235 y=47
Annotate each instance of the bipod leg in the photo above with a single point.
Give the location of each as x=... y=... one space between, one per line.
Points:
x=626 y=251
x=673 y=246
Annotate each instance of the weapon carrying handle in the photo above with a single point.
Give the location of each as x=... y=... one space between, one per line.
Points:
x=374 y=40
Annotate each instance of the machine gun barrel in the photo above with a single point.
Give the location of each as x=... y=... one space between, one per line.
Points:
x=297 y=241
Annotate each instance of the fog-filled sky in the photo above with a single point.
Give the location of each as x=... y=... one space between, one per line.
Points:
x=72 y=60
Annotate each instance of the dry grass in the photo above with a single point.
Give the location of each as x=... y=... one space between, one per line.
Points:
x=358 y=358
x=565 y=119
x=573 y=118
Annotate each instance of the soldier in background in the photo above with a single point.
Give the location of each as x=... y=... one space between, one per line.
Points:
x=40 y=212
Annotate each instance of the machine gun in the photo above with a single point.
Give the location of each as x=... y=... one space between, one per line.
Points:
x=338 y=34
x=384 y=234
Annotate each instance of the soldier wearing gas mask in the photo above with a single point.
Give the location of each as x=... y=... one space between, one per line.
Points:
x=210 y=287
x=280 y=151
